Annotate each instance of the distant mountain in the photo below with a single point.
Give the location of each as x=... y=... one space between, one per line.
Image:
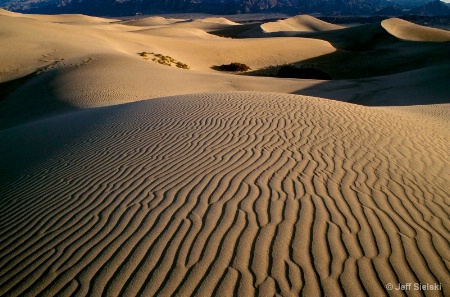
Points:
x=25 y=5
x=133 y=7
x=433 y=8
x=391 y=10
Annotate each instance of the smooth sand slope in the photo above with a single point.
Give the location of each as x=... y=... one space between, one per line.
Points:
x=120 y=176
x=251 y=193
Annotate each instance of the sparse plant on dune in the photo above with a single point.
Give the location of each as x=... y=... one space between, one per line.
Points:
x=235 y=67
x=163 y=60
x=145 y=55
x=181 y=65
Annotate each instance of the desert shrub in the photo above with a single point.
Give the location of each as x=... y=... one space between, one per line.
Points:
x=181 y=65
x=290 y=71
x=164 y=60
x=236 y=67
x=144 y=55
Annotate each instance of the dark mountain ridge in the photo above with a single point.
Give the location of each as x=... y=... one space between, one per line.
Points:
x=143 y=7
x=433 y=8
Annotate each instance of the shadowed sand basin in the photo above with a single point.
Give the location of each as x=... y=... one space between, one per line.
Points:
x=220 y=184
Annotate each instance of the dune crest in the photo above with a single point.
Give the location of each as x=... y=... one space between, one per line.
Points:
x=219 y=20
x=152 y=21
x=61 y=18
x=178 y=32
x=408 y=31
x=303 y=23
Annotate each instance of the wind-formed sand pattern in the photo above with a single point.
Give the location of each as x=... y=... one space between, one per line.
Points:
x=248 y=193
x=236 y=192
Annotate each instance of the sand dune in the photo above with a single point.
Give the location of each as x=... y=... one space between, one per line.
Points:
x=9 y=13
x=71 y=18
x=62 y=18
x=207 y=24
x=408 y=31
x=299 y=23
x=368 y=51
x=251 y=193
x=70 y=58
x=219 y=20
x=120 y=176
x=29 y=45
x=357 y=38
x=152 y=21
x=178 y=32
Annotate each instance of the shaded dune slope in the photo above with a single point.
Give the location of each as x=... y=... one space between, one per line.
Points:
x=417 y=87
x=369 y=51
x=227 y=193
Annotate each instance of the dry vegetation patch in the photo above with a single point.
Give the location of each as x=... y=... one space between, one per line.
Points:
x=164 y=60
x=235 y=67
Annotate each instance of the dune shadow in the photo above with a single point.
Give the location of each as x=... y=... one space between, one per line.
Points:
x=418 y=87
x=371 y=59
x=359 y=38
x=25 y=141
x=234 y=31
x=362 y=51
x=216 y=67
x=232 y=68
x=10 y=86
x=47 y=138
x=30 y=98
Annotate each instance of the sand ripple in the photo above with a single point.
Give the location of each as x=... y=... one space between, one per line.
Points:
x=226 y=194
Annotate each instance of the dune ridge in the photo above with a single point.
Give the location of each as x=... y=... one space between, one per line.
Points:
x=303 y=23
x=251 y=193
x=152 y=21
x=178 y=32
x=408 y=31
x=219 y=20
x=60 y=18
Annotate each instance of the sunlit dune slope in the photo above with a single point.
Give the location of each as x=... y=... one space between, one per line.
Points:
x=408 y=31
